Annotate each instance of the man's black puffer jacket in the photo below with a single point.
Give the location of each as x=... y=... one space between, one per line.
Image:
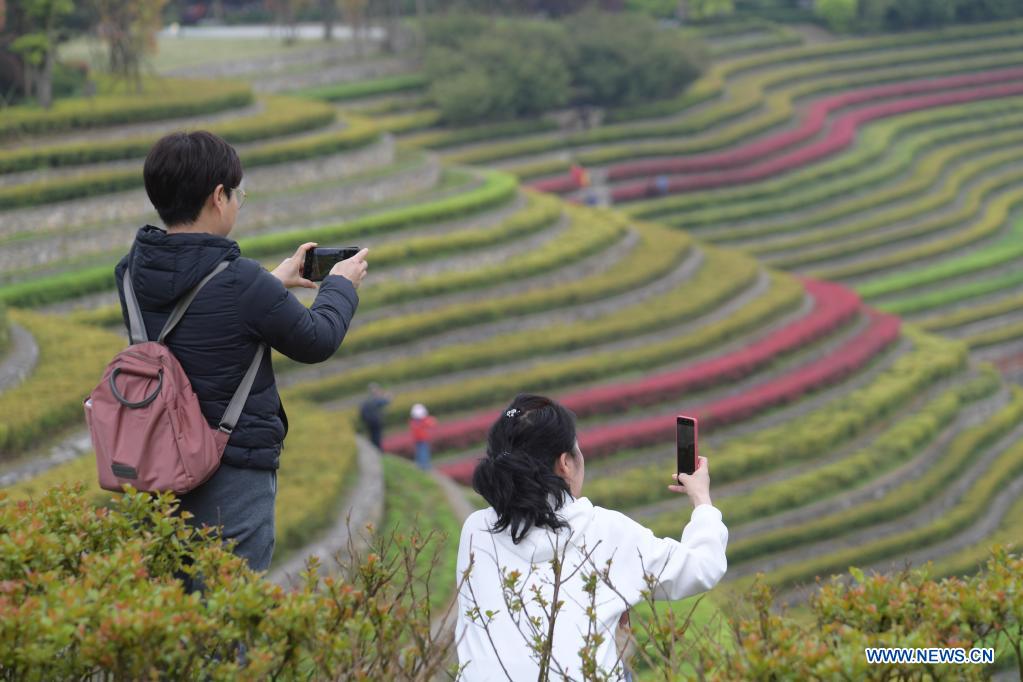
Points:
x=217 y=338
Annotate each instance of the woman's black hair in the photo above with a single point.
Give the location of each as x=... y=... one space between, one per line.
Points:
x=517 y=476
x=183 y=169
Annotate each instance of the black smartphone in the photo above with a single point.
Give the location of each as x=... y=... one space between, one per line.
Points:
x=685 y=444
x=320 y=259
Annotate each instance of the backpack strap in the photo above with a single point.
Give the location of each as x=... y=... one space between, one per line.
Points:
x=234 y=408
x=186 y=300
x=136 y=330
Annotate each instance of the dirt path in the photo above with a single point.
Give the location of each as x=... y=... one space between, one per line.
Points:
x=364 y=505
x=20 y=359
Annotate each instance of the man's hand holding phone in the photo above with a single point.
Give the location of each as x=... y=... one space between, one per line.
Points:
x=290 y=269
x=696 y=485
x=353 y=269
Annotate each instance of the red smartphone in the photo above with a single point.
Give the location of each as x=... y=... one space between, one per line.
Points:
x=685 y=444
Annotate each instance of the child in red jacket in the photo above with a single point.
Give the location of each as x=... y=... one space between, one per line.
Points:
x=421 y=425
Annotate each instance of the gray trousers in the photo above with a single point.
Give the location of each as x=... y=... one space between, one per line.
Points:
x=242 y=501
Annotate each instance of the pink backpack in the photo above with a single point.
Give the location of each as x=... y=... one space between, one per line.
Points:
x=144 y=418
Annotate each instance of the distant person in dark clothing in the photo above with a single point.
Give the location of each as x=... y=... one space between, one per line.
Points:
x=195 y=182
x=372 y=413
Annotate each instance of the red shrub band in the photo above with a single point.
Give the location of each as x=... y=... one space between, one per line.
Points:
x=833 y=304
x=840 y=136
x=882 y=331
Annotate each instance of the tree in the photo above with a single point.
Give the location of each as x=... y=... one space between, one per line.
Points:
x=129 y=28
x=37 y=44
x=286 y=15
x=354 y=12
x=839 y=15
x=698 y=10
x=328 y=8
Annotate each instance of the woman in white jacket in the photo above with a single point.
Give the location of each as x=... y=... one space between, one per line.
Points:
x=532 y=477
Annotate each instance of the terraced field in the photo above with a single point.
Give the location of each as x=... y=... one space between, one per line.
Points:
x=823 y=302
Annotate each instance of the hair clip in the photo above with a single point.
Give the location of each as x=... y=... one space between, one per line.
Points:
x=513 y=412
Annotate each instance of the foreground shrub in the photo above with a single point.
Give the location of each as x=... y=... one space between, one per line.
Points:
x=88 y=592
x=906 y=609
x=92 y=593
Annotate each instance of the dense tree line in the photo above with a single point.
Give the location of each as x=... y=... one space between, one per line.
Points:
x=485 y=68
x=901 y=15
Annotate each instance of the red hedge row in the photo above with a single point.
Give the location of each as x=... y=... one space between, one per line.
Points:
x=840 y=136
x=882 y=331
x=833 y=306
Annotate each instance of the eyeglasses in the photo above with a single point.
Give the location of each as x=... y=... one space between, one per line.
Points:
x=241 y=193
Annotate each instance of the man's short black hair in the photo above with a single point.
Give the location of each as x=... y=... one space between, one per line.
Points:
x=183 y=169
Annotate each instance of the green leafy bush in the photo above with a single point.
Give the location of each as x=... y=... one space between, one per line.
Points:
x=93 y=592
x=903 y=609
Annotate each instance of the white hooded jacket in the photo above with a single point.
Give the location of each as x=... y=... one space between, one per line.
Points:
x=595 y=536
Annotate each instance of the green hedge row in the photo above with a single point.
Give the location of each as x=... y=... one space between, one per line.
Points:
x=875 y=229
x=1006 y=332
x=959 y=455
x=705 y=294
x=994 y=216
x=1008 y=248
x=408 y=122
x=345 y=92
x=497 y=188
x=657 y=254
x=776 y=108
x=887 y=151
x=5 y=332
x=974 y=313
x=968 y=560
x=162 y=99
x=447 y=137
x=951 y=294
x=586 y=235
x=824 y=429
x=970 y=507
x=540 y=212
x=715 y=79
x=879 y=138
x=897 y=445
x=283 y=117
x=50 y=399
x=712 y=207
